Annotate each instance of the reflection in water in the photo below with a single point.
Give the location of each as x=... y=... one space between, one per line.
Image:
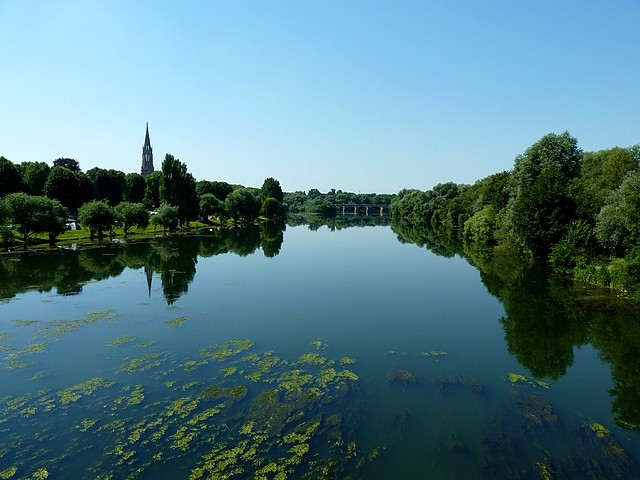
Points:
x=173 y=258
x=302 y=381
x=547 y=317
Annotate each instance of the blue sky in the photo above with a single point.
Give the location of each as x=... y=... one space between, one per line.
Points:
x=363 y=96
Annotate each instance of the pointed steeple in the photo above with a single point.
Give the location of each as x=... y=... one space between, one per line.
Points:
x=147 y=155
x=147 y=142
x=149 y=274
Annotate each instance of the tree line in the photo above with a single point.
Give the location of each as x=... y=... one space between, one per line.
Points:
x=325 y=204
x=577 y=211
x=36 y=198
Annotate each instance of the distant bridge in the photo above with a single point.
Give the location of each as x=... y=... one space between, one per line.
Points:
x=363 y=209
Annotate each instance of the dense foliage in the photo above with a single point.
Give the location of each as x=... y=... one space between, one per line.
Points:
x=49 y=199
x=578 y=211
x=327 y=204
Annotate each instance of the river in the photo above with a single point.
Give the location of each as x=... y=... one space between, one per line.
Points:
x=310 y=353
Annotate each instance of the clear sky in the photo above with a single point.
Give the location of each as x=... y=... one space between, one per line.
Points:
x=363 y=96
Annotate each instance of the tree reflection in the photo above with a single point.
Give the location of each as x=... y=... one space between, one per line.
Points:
x=547 y=316
x=272 y=234
x=173 y=259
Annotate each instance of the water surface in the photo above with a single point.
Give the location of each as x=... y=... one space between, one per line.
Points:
x=334 y=354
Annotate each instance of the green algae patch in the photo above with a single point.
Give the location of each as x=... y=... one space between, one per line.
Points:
x=434 y=354
x=40 y=474
x=319 y=344
x=517 y=379
x=310 y=359
x=17 y=365
x=8 y=472
x=86 y=424
x=226 y=350
x=401 y=377
x=216 y=392
x=25 y=323
x=57 y=328
x=135 y=397
x=141 y=364
x=73 y=394
x=176 y=322
x=121 y=341
x=283 y=427
x=600 y=430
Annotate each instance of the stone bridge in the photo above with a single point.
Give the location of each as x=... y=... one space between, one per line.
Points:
x=363 y=209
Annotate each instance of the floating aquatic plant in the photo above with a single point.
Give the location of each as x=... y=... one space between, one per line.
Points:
x=517 y=379
x=24 y=323
x=17 y=365
x=311 y=359
x=9 y=472
x=226 y=350
x=73 y=394
x=121 y=340
x=319 y=344
x=401 y=376
x=176 y=322
x=434 y=354
x=600 y=430
x=140 y=364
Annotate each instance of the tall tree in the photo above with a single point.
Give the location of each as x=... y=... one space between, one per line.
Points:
x=271 y=188
x=35 y=214
x=152 y=189
x=108 y=185
x=10 y=180
x=541 y=206
x=242 y=205
x=63 y=185
x=98 y=216
x=134 y=191
x=220 y=189
x=132 y=215
x=34 y=176
x=69 y=163
x=178 y=187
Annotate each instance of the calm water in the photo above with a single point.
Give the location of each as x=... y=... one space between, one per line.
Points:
x=339 y=354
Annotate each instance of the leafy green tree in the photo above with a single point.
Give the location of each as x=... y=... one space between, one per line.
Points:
x=220 y=189
x=271 y=208
x=479 y=229
x=178 y=187
x=98 y=216
x=618 y=223
x=241 y=204
x=132 y=215
x=69 y=163
x=63 y=185
x=167 y=217
x=34 y=176
x=295 y=201
x=135 y=188
x=6 y=234
x=152 y=189
x=602 y=173
x=210 y=205
x=271 y=189
x=541 y=205
x=10 y=180
x=35 y=214
x=108 y=185
x=318 y=206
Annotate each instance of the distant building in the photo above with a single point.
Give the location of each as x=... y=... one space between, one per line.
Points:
x=147 y=156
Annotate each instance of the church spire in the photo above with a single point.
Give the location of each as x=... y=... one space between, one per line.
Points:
x=147 y=155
